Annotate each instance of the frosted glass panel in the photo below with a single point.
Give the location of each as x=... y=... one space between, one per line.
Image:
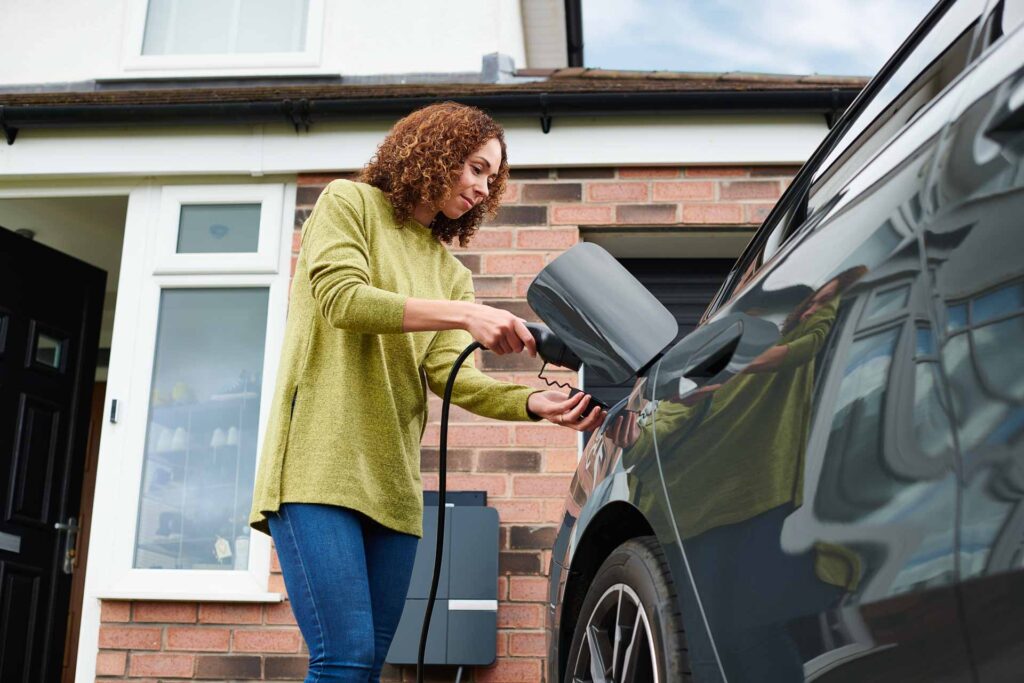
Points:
x=200 y=450
x=219 y=229
x=201 y=27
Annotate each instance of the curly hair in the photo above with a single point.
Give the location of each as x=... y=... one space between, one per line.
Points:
x=422 y=159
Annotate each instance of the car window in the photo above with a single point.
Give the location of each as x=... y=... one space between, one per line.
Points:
x=924 y=70
x=937 y=59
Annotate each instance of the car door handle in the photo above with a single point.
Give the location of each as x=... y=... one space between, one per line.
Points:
x=1009 y=121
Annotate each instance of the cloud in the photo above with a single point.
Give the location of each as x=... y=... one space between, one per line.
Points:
x=771 y=36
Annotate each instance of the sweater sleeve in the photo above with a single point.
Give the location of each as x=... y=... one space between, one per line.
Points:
x=809 y=340
x=337 y=254
x=473 y=390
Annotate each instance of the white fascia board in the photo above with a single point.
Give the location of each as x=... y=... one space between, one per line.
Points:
x=264 y=149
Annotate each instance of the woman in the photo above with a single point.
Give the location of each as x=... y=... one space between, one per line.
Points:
x=379 y=309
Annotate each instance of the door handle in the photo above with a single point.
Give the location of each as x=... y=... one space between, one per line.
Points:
x=70 y=530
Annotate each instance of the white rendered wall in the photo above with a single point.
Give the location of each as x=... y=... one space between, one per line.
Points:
x=59 y=41
x=263 y=150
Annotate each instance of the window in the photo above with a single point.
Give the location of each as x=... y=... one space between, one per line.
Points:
x=205 y=299
x=204 y=407
x=199 y=27
x=935 y=61
x=192 y=34
x=228 y=228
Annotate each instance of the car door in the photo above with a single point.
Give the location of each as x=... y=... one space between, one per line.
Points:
x=975 y=247
x=812 y=476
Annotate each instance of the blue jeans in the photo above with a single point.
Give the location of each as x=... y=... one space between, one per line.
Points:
x=347 y=577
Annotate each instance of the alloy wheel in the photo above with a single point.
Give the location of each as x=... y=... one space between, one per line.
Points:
x=618 y=645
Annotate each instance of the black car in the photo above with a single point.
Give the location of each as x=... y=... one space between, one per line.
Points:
x=824 y=481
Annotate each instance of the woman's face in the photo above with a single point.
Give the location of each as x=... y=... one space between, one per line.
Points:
x=473 y=186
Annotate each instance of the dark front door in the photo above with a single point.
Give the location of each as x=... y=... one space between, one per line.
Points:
x=50 y=310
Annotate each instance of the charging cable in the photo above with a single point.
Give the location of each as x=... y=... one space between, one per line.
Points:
x=442 y=468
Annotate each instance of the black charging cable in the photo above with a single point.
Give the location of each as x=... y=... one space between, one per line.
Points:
x=442 y=472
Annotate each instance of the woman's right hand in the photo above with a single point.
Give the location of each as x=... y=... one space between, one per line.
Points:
x=498 y=330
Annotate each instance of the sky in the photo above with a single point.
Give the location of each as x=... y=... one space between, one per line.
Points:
x=835 y=37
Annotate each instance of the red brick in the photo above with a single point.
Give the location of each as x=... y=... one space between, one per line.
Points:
x=501 y=264
x=777 y=171
x=638 y=214
x=712 y=214
x=523 y=283
x=115 y=610
x=499 y=286
x=531 y=537
x=502 y=588
x=561 y=460
x=717 y=172
x=512 y=615
x=511 y=194
x=501 y=644
x=554 y=238
x=510 y=671
x=229 y=613
x=275 y=584
x=519 y=562
x=266 y=640
x=558 y=192
x=617 y=192
x=487 y=238
x=581 y=215
x=648 y=172
x=111 y=663
x=275 y=567
x=693 y=189
x=527 y=644
x=198 y=638
x=296 y=241
x=494 y=484
x=527 y=589
x=544 y=434
x=280 y=613
x=129 y=638
x=554 y=510
x=541 y=485
x=508 y=461
x=749 y=189
x=468 y=435
x=756 y=213
x=164 y=665
x=516 y=510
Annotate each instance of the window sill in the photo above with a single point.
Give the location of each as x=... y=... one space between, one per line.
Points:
x=189 y=596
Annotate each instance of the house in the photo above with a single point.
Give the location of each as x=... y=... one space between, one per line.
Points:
x=160 y=157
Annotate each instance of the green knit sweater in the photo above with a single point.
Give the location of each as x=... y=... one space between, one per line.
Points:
x=350 y=404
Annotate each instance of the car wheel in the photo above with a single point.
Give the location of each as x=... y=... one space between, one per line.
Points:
x=628 y=629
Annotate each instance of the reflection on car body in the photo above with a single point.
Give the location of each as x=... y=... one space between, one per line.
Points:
x=833 y=463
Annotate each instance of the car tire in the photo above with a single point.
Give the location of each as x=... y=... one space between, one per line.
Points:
x=632 y=595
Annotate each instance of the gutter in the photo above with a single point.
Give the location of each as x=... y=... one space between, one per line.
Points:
x=305 y=112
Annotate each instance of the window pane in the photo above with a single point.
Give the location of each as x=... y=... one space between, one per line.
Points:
x=49 y=350
x=200 y=454
x=889 y=302
x=199 y=27
x=219 y=229
x=1003 y=301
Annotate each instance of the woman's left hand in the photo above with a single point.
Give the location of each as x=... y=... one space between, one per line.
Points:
x=556 y=407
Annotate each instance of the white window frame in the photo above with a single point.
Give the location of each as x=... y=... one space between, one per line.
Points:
x=133 y=59
x=118 y=487
x=263 y=260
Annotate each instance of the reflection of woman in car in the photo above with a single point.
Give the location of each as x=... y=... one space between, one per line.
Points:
x=738 y=449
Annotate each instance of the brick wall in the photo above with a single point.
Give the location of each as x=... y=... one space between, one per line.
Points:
x=524 y=467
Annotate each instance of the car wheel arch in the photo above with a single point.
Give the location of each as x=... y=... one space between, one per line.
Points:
x=616 y=523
